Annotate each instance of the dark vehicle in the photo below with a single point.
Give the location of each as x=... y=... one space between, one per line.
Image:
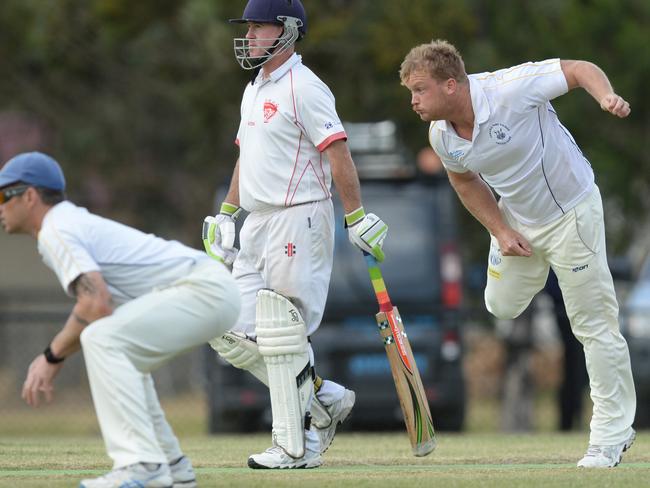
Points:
x=635 y=324
x=423 y=275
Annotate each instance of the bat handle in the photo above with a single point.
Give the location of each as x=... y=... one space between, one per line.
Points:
x=370 y=260
x=378 y=284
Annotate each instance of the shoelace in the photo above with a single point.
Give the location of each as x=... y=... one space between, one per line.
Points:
x=594 y=451
x=274 y=449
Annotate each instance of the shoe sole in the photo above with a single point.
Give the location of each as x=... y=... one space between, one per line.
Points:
x=81 y=485
x=628 y=444
x=185 y=484
x=254 y=465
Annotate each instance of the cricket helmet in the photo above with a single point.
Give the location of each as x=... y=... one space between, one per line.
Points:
x=290 y=14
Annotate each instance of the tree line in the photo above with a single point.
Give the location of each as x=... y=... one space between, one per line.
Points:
x=140 y=100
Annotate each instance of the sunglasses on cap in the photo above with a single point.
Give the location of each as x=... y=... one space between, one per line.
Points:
x=8 y=193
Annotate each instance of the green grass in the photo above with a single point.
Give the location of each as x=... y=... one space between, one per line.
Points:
x=354 y=460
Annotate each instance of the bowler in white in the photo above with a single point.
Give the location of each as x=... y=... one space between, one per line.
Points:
x=498 y=132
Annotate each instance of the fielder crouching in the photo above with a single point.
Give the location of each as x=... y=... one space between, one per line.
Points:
x=140 y=300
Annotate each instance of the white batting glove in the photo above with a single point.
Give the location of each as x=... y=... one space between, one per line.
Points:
x=367 y=232
x=219 y=234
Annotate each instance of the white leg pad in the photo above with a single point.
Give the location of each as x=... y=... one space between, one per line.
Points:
x=282 y=342
x=242 y=352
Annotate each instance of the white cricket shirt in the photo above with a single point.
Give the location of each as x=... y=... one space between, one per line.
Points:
x=518 y=146
x=73 y=241
x=287 y=121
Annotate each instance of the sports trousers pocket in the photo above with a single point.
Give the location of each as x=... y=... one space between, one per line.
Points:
x=589 y=222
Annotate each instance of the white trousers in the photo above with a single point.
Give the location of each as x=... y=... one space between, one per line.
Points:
x=290 y=251
x=122 y=349
x=574 y=246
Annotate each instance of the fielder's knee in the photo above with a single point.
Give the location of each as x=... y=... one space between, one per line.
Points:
x=88 y=336
x=96 y=334
x=230 y=309
x=504 y=309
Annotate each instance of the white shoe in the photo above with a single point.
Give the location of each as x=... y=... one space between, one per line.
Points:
x=338 y=412
x=605 y=456
x=275 y=458
x=140 y=475
x=183 y=473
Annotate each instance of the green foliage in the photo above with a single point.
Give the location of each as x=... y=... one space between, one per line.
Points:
x=140 y=100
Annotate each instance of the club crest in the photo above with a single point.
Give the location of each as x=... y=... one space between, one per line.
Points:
x=500 y=133
x=270 y=109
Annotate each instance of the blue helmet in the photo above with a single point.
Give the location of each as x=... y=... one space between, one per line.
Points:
x=274 y=12
x=290 y=14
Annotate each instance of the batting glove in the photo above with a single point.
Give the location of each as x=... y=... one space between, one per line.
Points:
x=219 y=234
x=367 y=232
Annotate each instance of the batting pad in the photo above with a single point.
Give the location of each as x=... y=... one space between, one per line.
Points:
x=243 y=353
x=282 y=342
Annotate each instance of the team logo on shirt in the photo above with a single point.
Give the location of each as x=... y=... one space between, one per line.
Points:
x=290 y=249
x=270 y=109
x=456 y=155
x=330 y=124
x=500 y=133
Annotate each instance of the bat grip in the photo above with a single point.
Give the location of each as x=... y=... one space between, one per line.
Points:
x=370 y=260
x=378 y=284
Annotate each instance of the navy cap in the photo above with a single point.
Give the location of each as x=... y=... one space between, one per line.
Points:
x=35 y=169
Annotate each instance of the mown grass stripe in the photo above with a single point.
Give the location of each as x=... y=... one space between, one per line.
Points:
x=344 y=469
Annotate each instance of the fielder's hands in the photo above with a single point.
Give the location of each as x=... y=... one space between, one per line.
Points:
x=40 y=379
x=615 y=104
x=367 y=232
x=219 y=234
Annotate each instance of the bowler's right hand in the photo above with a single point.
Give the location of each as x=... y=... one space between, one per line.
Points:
x=512 y=243
x=219 y=234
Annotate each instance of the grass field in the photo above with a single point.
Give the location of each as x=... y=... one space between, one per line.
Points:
x=354 y=460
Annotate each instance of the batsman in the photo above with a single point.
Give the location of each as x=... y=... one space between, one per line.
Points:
x=291 y=146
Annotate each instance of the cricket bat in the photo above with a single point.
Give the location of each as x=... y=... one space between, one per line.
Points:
x=408 y=383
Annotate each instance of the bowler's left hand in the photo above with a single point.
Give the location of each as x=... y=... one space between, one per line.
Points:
x=40 y=379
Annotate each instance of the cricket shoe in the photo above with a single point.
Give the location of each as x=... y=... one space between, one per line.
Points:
x=606 y=456
x=338 y=412
x=140 y=475
x=275 y=458
x=183 y=473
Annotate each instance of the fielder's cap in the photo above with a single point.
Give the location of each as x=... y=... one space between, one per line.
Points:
x=35 y=169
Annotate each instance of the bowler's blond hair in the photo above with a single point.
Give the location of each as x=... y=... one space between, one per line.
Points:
x=439 y=58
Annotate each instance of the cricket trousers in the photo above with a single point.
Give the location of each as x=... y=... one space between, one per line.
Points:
x=122 y=349
x=289 y=250
x=574 y=246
